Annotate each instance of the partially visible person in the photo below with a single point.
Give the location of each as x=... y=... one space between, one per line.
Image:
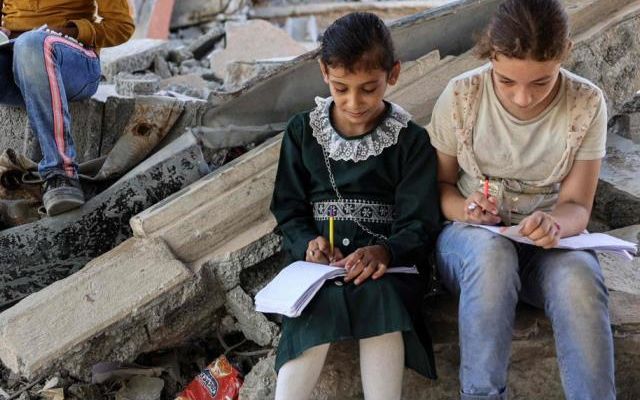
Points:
x=535 y=133
x=45 y=69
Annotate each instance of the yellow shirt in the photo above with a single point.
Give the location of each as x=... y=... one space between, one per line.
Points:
x=100 y=23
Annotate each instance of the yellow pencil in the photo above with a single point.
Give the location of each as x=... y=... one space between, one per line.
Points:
x=331 y=235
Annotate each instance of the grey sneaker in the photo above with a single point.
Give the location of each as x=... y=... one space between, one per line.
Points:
x=61 y=194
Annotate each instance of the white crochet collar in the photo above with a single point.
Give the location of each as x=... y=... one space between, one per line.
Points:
x=359 y=149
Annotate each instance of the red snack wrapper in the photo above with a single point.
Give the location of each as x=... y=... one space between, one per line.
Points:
x=219 y=381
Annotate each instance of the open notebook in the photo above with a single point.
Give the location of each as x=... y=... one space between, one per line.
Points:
x=294 y=287
x=586 y=241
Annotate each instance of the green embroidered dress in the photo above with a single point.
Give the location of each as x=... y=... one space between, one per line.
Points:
x=387 y=178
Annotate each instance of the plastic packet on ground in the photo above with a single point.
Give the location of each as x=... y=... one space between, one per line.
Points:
x=218 y=381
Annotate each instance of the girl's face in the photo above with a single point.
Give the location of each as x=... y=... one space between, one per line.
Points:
x=358 y=95
x=525 y=87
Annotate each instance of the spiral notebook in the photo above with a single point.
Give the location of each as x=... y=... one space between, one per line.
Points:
x=296 y=285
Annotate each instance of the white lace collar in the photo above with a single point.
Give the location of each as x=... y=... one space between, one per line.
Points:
x=358 y=149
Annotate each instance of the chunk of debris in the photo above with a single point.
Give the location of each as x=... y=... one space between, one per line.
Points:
x=253 y=40
x=141 y=388
x=133 y=56
x=130 y=85
x=206 y=43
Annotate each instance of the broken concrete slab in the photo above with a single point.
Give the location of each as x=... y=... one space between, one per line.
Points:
x=254 y=325
x=607 y=48
x=151 y=120
x=78 y=308
x=223 y=205
x=251 y=41
x=206 y=43
x=35 y=255
x=133 y=56
x=86 y=117
x=618 y=195
x=192 y=12
x=127 y=115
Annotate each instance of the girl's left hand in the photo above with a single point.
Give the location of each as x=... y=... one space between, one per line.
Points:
x=542 y=229
x=369 y=261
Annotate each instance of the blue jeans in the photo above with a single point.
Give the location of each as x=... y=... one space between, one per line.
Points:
x=490 y=273
x=43 y=72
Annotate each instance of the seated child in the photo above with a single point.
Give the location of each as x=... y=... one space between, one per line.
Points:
x=363 y=161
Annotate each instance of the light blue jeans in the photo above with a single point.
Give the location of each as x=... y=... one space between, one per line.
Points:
x=44 y=72
x=491 y=273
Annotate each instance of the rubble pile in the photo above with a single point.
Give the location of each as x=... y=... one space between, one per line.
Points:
x=134 y=293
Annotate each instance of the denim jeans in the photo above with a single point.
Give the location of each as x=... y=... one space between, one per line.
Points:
x=43 y=72
x=491 y=273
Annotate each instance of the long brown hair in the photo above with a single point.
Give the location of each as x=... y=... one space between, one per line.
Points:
x=535 y=29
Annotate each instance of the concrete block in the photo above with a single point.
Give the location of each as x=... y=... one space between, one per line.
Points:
x=254 y=325
x=606 y=52
x=151 y=120
x=42 y=329
x=132 y=56
x=128 y=115
x=227 y=204
x=618 y=195
x=205 y=43
x=137 y=84
x=35 y=255
x=86 y=117
x=193 y=12
x=254 y=40
x=260 y=382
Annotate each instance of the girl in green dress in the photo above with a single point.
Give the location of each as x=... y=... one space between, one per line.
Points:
x=363 y=161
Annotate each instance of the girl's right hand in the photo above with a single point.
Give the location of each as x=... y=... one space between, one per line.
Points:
x=319 y=252
x=481 y=210
x=5 y=31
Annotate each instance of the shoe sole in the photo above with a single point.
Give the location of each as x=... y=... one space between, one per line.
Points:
x=61 y=200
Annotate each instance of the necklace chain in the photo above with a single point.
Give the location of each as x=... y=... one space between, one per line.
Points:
x=327 y=162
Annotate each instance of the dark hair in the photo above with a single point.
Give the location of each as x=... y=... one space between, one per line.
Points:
x=358 y=40
x=536 y=29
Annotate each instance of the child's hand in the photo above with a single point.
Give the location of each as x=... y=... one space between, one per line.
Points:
x=542 y=229
x=370 y=261
x=319 y=252
x=481 y=210
x=5 y=31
